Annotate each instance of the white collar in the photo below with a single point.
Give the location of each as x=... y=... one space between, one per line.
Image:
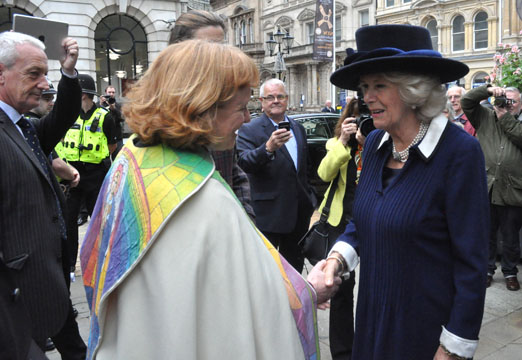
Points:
x=431 y=139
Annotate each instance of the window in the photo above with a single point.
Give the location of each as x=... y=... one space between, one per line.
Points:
x=251 y=31
x=269 y=36
x=309 y=33
x=479 y=79
x=406 y=1
x=6 y=16
x=236 y=35
x=243 y=32
x=338 y=28
x=432 y=28
x=458 y=33
x=481 y=30
x=390 y=3
x=121 y=52
x=364 y=18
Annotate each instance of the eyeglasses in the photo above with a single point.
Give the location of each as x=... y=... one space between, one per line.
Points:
x=272 y=97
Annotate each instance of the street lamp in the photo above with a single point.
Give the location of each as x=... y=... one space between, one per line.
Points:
x=280 y=38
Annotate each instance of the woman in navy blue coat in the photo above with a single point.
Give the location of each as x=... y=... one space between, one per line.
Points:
x=420 y=216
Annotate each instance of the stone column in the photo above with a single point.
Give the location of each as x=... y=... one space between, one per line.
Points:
x=292 y=85
x=314 y=84
x=308 y=100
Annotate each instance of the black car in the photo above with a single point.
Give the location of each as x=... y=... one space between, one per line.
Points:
x=319 y=128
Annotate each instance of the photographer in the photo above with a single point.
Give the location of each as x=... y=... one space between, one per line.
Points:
x=343 y=159
x=108 y=101
x=499 y=132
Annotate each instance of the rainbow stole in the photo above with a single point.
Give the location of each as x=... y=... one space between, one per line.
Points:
x=142 y=190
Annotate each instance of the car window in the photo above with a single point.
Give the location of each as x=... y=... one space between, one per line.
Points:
x=316 y=128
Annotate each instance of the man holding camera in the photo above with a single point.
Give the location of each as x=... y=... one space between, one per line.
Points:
x=87 y=146
x=499 y=132
x=108 y=101
x=274 y=154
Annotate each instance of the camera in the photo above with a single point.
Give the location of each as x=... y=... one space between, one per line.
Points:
x=502 y=102
x=109 y=99
x=364 y=121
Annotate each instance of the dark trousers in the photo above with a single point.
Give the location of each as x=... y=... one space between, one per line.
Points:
x=287 y=243
x=91 y=179
x=341 y=330
x=507 y=220
x=68 y=341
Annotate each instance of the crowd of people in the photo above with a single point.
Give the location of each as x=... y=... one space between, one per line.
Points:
x=192 y=246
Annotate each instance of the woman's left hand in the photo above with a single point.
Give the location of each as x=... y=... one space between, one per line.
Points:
x=441 y=355
x=316 y=278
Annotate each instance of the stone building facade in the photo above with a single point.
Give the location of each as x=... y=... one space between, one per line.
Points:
x=250 y=23
x=118 y=39
x=464 y=30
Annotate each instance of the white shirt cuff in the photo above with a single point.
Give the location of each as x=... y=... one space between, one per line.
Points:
x=457 y=345
x=348 y=253
x=70 y=76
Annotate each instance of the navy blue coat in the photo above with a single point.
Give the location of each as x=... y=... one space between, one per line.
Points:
x=423 y=245
x=278 y=189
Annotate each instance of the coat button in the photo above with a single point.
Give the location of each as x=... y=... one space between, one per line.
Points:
x=16 y=294
x=55 y=219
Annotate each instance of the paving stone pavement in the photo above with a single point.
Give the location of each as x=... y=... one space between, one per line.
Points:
x=500 y=335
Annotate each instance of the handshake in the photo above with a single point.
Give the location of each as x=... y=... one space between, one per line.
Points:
x=325 y=279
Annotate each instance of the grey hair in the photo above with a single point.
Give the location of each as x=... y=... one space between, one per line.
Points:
x=512 y=89
x=9 y=40
x=462 y=90
x=272 y=81
x=423 y=93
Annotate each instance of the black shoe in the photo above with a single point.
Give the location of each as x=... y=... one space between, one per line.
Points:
x=75 y=312
x=489 y=280
x=82 y=220
x=512 y=283
x=49 y=345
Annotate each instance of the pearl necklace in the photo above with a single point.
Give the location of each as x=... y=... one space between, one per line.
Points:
x=402 y=156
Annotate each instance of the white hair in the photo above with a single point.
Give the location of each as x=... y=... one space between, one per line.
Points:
x=462 y=90
x=271 y=82
x=422 y=92
x=9 y=40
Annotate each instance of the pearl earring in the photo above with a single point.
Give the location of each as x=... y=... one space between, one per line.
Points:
x=413 y=107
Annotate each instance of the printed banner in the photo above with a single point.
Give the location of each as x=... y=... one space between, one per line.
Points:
x=324 y=31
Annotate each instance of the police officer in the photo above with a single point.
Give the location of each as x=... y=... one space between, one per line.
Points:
x=87 y=146
x=108 y=101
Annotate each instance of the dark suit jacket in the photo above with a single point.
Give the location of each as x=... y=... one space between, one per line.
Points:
x=278 y=189
x=30 y=237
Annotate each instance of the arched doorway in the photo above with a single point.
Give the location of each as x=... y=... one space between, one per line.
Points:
x=121 y=52
x=6 y=16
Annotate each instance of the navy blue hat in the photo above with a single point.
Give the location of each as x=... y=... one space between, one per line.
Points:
x=385 y=48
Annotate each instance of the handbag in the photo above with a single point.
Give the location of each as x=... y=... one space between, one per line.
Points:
x=316 y=243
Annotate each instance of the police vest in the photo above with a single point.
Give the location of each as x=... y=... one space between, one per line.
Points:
x=85 y=141
x=60 y=150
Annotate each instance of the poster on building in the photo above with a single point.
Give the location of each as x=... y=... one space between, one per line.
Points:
x=323 y=31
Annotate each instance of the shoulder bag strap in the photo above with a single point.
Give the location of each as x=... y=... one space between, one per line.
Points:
x=326 y=209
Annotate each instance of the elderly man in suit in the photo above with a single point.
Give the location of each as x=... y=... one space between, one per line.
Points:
x=273 y=152
x=32 y=237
